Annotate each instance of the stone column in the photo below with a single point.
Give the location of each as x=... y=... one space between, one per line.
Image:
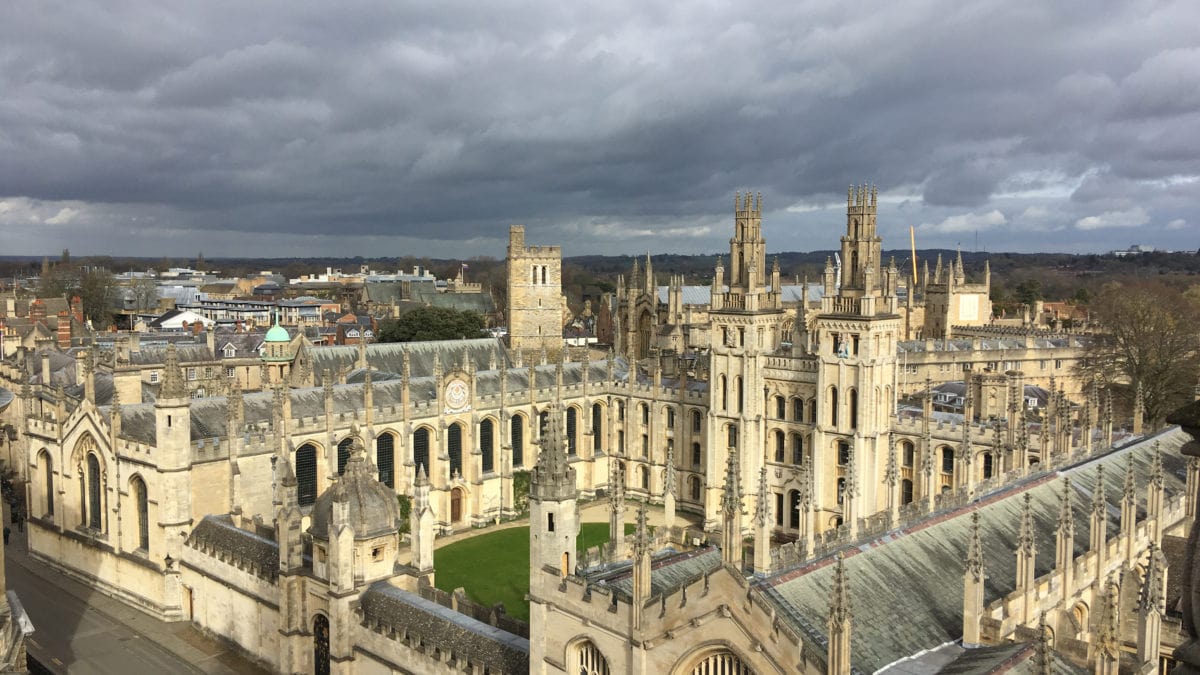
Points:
x=973 y=578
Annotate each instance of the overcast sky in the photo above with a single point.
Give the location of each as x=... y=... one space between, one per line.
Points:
x=388 y=128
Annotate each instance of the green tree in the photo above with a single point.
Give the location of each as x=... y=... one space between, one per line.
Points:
x=1029 y=291
x=431 y=323
x=98 y=292
x=1147 y=337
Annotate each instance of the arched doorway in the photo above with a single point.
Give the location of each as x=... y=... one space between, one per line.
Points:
x=456 y=504
x=320 y=645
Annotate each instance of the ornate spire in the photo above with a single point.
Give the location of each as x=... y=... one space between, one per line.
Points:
x=1025 y=535
x=641 y=533
x=1129 y=491
x=172 y=384
x=975 y=551
x=731 y=500
x=839 y=604
x=1108 y=639
x=553 y=478
x=762 y=512
x=1156 y=467
x=1150 y=599
x=892 y=473
x=1099 y=503
x=1045 y=659
x=669 y=479
x=1066 y=517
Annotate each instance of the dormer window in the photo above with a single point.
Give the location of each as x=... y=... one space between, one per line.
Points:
x=229 y=351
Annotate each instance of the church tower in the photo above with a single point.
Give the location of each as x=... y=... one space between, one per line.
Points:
x=535 y=301
x=747 y=322
x=173 y=439
x=552 y=495
x=854 y=341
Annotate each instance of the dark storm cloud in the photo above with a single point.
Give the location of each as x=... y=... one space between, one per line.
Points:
x=376 y=127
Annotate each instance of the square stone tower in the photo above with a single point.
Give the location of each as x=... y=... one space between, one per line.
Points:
x=535 y=301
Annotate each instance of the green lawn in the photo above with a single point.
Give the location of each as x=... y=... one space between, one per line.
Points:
x=494 y=567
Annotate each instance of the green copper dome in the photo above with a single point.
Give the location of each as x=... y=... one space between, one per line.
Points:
x=278 y=334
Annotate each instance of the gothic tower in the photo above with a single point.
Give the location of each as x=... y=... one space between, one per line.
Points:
x=854 y=341
x=535 y=301
x=747 y=321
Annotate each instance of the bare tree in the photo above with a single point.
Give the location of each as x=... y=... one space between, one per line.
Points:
x=1149 y=339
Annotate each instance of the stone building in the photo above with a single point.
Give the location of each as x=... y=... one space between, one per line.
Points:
x=267 y=516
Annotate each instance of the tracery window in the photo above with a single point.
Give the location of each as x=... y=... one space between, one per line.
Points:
x=421 y=450
x=454 y=448
x=588 y=660
x=486 y=434
x=721 y=663
x=142 y=505
x=306 y=475
x=518 y=440
x=343 y=454
x=385 y=459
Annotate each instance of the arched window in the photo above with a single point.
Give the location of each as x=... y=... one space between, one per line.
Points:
x=421 y=451
x=306 y=475
x=696 y=459
x=721 y=663
x=724 y=393
x=696 y=422
x=907 y=454
x=797 y=410
x=947 y=460
x=385 y=459
x=95 y=515
x=843 y=448
x=586 y=659
x=780 y=407
x=733 y=434
x=906 y=491
x=853 y=408
x=644 y=474
x=741 y=398
x=644 y=411
x=572 y=416
x=812 y=410
x=597 y=426
x=620 y=411
x=321 y=645
x=833 y=406
x=518 y=440
x=987 y=465
x=47 y=481
x=794 y=509
x=487 y=433
x=454 y=448
x=142 y=507
x=670 y=418
x=797 y=449
x=343 y=455
x=780 y=447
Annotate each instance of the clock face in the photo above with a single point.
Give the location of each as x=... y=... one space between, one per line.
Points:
x=457 y=395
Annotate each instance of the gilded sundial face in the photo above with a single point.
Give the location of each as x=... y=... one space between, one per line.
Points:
x=458 y=395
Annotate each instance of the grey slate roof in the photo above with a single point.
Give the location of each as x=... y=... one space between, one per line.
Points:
x=389 y=357
x=888 y=575
x=449 y=631
x=702 y=295
x=218 y=537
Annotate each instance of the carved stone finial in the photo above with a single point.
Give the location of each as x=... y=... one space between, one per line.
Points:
x=975 y=551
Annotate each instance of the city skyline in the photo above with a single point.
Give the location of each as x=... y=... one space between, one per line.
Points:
x=290 y=130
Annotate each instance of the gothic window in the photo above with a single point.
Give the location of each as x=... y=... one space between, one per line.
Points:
x=385 y=459
x=454 y=448
x=843 y=448
x=737 y=381
x=779 y=509
x=571 y=424
x=695 y=485
x=645 y=477
x=421 y=450
x=141 y=503
x=48 y=480
x=343 y=454
x=947 y=460
x=780 y=447
x=908 y=454
x=853 y=408
x=987 y=465
x=486 y=446
x=306 y=475
x=724 y=394
x=518 y=440
x=906 y=491
x=645 y=413
x=95 y=518
x=645 y=445
x=797 y=449
x=587 y=660
x=797 y=410
x=696 y=454
x=670 y=418
x=721 y=663
x=833 y=406
x=597 y=426
x=621 y=441
x=794 y=509
x=696 y=422
x=620 y=411
x=812 y=410
x=733 y=434
x=321 y=645
x=780 y=407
